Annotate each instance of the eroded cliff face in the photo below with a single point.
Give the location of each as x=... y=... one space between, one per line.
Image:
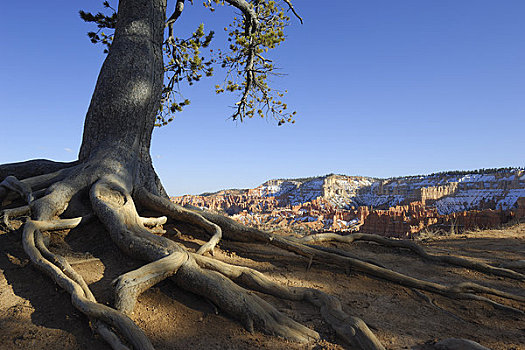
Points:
x=400 y=207
x=409 y=220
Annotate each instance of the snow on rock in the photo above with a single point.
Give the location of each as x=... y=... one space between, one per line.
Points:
x=335 y=202
x=448 y=192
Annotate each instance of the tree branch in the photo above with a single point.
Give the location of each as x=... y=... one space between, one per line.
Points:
x=179 y=7
x=289 y=3
x=247 y=10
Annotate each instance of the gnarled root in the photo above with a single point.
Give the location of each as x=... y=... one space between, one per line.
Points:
x=235 y=231
x=99 y=326
x=414 y=247
x=32 y=187
x=164 y=206
x=11 y=183
x=81 y=297
x=7 y=214
x=130 y=285
x=349 y=328
x=459 y=291
x=115 y=207
x=252 y=311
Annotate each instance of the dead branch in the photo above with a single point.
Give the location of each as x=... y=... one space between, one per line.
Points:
x=290 y=6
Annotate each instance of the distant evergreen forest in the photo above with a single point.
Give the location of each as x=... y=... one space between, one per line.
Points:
x=442 y=173
x=482 y=171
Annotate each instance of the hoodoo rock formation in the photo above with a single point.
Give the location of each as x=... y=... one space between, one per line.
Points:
x=399 y=207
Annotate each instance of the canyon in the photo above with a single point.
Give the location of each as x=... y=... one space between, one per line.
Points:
x=398 y=207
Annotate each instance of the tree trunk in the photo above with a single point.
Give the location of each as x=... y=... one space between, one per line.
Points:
x=114 y=171
x=121 y=116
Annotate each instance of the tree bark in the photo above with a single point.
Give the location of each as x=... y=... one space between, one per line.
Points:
x=120 y=119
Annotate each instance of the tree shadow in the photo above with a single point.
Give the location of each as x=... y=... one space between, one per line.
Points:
x=52 y=306
x=94 y=240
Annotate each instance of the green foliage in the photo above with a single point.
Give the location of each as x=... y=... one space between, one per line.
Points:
x=248 y=70
x=183 y=62
x=102 y=21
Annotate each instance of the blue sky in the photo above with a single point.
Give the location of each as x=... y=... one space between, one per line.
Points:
x=381 y=88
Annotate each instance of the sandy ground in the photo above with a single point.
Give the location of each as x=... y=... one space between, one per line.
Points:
x=36 y=314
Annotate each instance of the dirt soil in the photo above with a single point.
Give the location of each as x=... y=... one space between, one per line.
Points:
x=36 y=314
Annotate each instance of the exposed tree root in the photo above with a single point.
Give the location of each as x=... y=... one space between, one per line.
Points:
x=154 y=221
x=23 y=189
x=345 y=253
x=112 y=201
x=179 y=213
x=130 y=285
x=85 y=304
x=236 y=231
x=514 y=265
x=99 y=326
x=458 y=291
x=7 y=214
x=252 y=311
x=414 y=247
x=31 y=187
x=58 y=260
x=114 y=206
x=349 y=328
x=352 y=329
